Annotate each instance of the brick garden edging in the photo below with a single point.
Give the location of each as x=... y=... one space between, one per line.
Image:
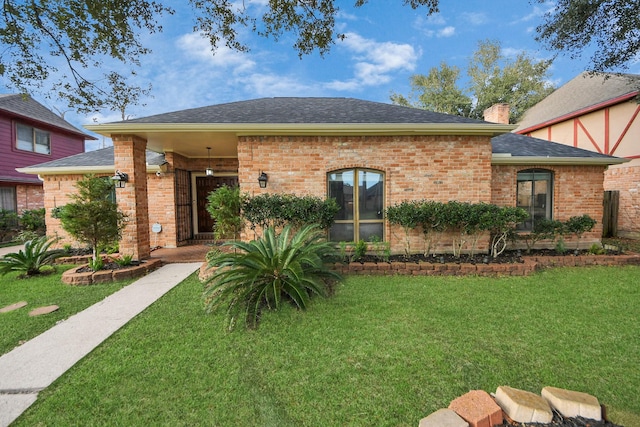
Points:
x=529 y=266
x=72 y=277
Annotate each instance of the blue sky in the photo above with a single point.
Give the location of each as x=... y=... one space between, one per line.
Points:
x=386 y=43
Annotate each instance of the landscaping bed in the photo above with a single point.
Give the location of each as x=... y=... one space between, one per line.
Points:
x=514 y=263
x=110 y=272
x=560 y=421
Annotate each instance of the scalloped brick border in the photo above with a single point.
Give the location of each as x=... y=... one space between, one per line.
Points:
x=72 y=277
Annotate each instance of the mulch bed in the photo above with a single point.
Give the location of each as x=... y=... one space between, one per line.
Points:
x=560 y=421
x=507 y=257
x=108 y=266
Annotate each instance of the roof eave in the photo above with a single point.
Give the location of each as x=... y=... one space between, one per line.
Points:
x=77 y=170
x=252 y=129
x=66 y=170
x=507 y=159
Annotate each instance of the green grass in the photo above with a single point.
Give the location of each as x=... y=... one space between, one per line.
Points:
x=384 y=351
x=39 y=291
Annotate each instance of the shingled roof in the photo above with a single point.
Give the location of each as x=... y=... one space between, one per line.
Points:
x=98 y=161
x=26 y=107
x=303 y=111
x=510 y=146
x=582 y=93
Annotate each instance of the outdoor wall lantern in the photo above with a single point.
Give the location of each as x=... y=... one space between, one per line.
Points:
x=262 y=180
x=164 y=167
x=209 y=171
x=119 y=179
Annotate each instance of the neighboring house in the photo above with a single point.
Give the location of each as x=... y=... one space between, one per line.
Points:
x=30 y=134
x=367 y=155
x=598 y=113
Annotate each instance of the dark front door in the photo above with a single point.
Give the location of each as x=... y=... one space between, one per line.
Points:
x=204 y=186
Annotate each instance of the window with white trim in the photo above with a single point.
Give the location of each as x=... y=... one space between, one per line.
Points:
x=360 y=195
x=32 y=139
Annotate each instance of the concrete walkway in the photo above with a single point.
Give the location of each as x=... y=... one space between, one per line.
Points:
x=10 y=249
x=33 y=366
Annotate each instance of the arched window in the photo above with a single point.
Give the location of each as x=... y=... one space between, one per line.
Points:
x=360 y=195
x=535 y=195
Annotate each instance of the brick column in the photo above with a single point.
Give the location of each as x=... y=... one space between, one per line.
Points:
x=130 y=158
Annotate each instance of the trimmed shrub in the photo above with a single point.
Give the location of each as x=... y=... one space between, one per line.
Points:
x=578 y=225
x=278 y=210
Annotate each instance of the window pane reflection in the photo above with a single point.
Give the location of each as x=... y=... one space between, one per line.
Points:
x=370 y=193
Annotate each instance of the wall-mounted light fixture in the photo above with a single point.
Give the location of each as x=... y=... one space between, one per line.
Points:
x=119 y=179
x=164 y=167
x=262 y=180
x=209 y=171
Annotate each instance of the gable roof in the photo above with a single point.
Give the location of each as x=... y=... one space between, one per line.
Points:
x=26 y=107
x=584 y=93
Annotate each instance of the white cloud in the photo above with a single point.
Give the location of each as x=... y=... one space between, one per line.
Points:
x=375 y=61
x=475 y=18
x=434 y=19
x=447 y=31
x=510 y=52
x=265 y=85
x=536 y=13
x=197 y=46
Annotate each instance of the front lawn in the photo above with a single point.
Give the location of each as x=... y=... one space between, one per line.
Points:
x=384 y=351
x=38 y=291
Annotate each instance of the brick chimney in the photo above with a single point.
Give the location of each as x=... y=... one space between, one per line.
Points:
x=497 y=113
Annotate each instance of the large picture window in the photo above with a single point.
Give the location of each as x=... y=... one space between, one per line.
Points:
x=31 y=139
x=360 y=195
x=535 y=195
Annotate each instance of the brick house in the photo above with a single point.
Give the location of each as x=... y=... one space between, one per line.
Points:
x=30 y=134
x=367 y=155
x=598 y=113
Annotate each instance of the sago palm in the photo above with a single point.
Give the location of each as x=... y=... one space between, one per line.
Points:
x=32 y=259
x=261 y=274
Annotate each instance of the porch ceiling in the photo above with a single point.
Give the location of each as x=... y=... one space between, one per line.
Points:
x=192 y=144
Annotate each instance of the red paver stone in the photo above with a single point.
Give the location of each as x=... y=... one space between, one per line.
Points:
x=43 y=310
x=13 y=307
x=478 y=409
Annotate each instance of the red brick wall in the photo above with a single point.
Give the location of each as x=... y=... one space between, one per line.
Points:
x=57 y=192
x=577 y=190
x=627 y=181
x=416 y=167
x=130 y=158
x=161 y=209
x=29 y=197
